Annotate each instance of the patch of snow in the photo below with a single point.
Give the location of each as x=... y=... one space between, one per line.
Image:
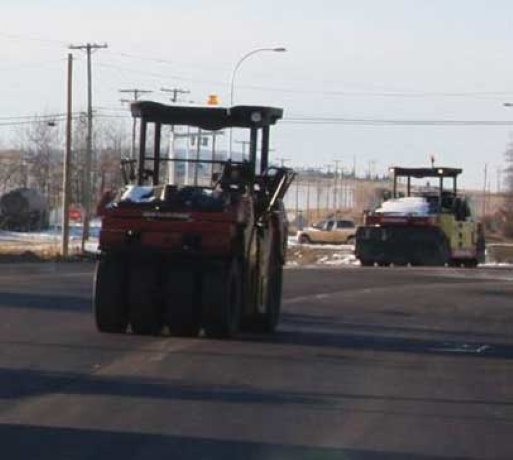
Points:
x=138 y=194
x=91 y=246
x=292 y=241
x=411 y=205
x=496 y=264
x=46 y=236
x=54 y=236
x=347 y=260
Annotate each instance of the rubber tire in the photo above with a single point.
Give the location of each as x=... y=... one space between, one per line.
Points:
x=351 y=240
x=444 y=255
x=266 y=323
x=481 y=249
x=366 y=263
x=143 y=300
x=109 y=295
x=434 y=254
x=304 y=239
x=222 y=301
x=182 y=303
x=470 y=263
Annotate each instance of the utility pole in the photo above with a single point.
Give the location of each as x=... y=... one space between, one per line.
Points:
x=297 y=199
x=308 y=197
x=175 y=92
x=499 y=179
x=318 y=194
x=282 y=161
x=198 y=156
x=328 y=172
x=244 y=144
x=89 y=47
x=67 y=161
x=335 y=190
x=135 y=92
x=171 y=151
x=483 y=212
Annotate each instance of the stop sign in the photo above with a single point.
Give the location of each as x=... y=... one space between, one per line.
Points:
x=75 y=214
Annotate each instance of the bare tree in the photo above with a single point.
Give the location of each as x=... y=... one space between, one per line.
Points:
x=77 y=179
x=507 y=210
x=112 y=143
x=42 y=158
x=12 y=170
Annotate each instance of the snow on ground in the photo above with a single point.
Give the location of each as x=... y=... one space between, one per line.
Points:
x=53 y=236
x=339 y=255
x=496 y=264
x=339 y=259
x=319 y=254
x=297 y=255
x=292 y=241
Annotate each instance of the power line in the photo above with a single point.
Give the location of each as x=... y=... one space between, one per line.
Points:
x=175 y=92
x=21 y=122
x=169 y=62
x=385 y=94
x=392 y=122
x=32 y=39
x=327 y=92
x=143 y=72
x=26 y=65
x=33 y=117
x=293 y=120
x=136 y=92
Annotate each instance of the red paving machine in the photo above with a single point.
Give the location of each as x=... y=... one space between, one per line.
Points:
x=194 y=257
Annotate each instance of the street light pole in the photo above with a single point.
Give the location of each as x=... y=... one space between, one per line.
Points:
x=234 y=72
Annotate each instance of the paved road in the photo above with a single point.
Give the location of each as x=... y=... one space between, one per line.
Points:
x=369 y=364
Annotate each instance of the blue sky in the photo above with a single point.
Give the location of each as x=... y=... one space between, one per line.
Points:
x=415 y=60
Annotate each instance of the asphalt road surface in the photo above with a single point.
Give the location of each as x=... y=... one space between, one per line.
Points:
x=368 y=364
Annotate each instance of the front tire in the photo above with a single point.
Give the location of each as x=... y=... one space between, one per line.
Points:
x=366 y=263
x=271 y=288
x=109 y=296
x=222 y=300
x=182 y=303
x=144 y=302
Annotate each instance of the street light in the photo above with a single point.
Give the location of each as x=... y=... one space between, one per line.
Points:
x=242 y=59
x=279 y=49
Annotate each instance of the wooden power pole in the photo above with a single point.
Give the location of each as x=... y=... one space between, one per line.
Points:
x=67 y=161
x=88 y=186
x=136 y=93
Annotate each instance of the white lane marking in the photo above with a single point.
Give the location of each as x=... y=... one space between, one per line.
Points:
x=408 y=287
x=142 y=358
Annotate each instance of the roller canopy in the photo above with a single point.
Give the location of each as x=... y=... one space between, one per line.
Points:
x=426 y=172
x=208 y=118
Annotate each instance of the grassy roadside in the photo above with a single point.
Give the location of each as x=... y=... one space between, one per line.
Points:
x=296 y=254
x=39 y=252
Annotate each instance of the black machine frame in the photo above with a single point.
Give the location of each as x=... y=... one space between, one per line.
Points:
x=420 y=173
x=258 y=119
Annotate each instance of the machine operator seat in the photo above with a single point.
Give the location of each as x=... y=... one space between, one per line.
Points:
x=234 y=177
